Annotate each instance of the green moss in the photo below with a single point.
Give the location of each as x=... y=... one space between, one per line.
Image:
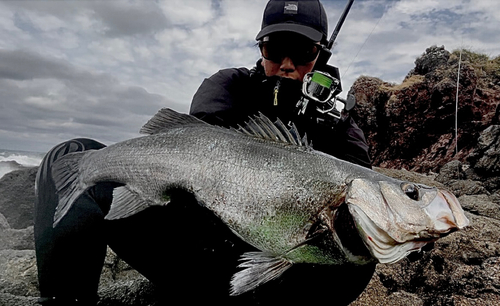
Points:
x=481 y=62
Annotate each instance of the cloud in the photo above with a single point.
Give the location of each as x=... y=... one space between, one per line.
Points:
x=53 y=101
x=101 y=69
x=383 y=38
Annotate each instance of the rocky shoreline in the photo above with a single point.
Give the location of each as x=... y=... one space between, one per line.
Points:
x=460 y=269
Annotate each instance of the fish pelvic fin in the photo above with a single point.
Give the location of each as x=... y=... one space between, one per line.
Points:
x=260 y=126
x=259 y=268
x=65 y=175
x=125 y=204
x=167 y=118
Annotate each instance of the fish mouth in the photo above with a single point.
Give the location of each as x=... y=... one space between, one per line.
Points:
x=382 y=246
x=445 y=216
x=447 y=213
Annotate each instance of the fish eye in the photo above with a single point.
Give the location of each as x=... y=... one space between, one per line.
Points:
x=410 y=190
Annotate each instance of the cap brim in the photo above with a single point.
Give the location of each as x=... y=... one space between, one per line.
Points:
x=308 y=32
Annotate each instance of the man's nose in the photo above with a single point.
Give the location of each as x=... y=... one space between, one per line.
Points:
x=287 y=64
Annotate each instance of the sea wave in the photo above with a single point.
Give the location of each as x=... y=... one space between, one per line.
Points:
x=15 y=160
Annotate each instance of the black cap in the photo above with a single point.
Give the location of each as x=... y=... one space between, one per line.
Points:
x=305 y=17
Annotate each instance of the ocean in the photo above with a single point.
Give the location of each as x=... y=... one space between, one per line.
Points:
x=13 y=160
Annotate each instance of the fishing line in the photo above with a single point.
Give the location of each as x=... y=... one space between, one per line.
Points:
x=359 y=50
x=456 y=101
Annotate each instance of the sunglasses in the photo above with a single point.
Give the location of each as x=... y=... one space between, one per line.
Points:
x=300 y=54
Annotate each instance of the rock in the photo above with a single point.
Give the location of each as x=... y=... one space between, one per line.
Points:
x=465 y=187
x=492 y=184
x=412 y=125
x=17 y=239
x=481 y=204
x=4 y=224
x=129 y=292
x=18 y=196
x=7 y=299
x=18 y=273
x=486 y=158
x=433 y=58
x=122 y=285
x=459 y=270
x=406 y=175
x=451 y=171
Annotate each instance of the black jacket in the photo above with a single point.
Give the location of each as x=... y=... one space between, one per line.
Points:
x=230 y=96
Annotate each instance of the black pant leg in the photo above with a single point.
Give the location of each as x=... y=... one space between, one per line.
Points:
x=188 y=253
x=69 y=257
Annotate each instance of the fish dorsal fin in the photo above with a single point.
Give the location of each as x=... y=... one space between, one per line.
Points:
x=258 y=126
x=167 y=118
x=261 y=127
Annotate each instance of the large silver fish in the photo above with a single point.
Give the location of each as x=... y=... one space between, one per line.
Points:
x=294 y=204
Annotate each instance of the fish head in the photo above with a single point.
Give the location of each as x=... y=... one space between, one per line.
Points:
x=395 y=218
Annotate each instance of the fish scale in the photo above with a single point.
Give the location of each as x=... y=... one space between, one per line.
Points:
x=273 y=191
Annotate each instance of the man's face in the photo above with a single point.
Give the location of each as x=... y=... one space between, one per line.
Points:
x=288 y=55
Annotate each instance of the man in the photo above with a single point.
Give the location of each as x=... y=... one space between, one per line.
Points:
x=290 y=39
x=183 y=248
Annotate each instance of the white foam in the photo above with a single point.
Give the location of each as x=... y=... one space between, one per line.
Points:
x=14 y=160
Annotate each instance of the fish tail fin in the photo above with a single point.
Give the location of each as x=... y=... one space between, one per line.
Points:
x=260 y=267
x=65 y=175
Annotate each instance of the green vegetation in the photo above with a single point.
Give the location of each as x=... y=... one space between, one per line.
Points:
x=408 y=82
x=482 y=63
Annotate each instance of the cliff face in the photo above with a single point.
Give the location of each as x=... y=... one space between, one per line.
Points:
x=412 y=125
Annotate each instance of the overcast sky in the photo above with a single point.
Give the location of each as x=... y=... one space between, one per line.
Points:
x=101 y=69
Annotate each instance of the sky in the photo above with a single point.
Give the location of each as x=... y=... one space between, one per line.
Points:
x=101 y=69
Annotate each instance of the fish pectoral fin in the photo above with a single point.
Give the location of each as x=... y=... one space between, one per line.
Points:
x=125 y=203
x=259 y=268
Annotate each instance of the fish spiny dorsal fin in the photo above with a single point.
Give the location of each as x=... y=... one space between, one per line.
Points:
x=272 y=129
x=241 y=130
x=286 y=132
x=167 y=118
x=296 y=135
x=260 y=126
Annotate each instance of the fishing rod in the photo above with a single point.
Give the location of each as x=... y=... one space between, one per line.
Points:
x=322 y=85
x=326 y=52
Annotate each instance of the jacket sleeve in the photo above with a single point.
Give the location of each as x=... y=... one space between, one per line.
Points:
x=345 y=141
x=356 y=146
